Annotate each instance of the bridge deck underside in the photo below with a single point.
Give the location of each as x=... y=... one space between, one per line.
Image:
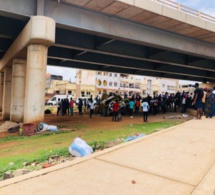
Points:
x=84 y=49
x=79 y=50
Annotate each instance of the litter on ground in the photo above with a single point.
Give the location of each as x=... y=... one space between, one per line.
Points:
x=80 y=148
x=45 y=127
x=8 y=125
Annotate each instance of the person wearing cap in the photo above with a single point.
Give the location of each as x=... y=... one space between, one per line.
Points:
x=203 y=99
x=198 y=94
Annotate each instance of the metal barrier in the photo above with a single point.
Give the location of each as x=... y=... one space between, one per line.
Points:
x=185 y=9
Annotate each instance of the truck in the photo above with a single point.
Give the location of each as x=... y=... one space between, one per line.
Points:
x=54 y=100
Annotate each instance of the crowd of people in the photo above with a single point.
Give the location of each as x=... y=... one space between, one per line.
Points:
x=203 y=101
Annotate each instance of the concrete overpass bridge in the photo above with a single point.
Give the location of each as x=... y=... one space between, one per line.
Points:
x=156 y=38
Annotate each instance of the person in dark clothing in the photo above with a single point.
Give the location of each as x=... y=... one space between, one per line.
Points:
x=65 y=106
x=61 y=107
x=58 y=106
x=80 y=104
x=68 y=107
x=176 y=101
x=198 y=94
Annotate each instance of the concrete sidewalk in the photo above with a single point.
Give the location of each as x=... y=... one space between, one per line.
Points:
x=179 y=160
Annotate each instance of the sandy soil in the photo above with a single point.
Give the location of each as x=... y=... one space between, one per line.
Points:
x=70 y=122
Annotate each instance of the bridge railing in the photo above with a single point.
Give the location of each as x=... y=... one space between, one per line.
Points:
x=187 y=10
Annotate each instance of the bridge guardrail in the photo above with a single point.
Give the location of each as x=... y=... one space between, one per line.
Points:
x=187 y=10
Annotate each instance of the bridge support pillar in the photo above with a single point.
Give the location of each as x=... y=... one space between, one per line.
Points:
x=18 y=90
x=7 y=93
x=1 y=89
x=35 y=83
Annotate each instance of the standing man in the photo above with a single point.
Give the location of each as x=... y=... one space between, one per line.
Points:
x=80 y=104
x=71 y=106
x=145 y=106
x=58 y=106
x=115 y=110
x=131 y=107
x=198 y=94
x=91 y=104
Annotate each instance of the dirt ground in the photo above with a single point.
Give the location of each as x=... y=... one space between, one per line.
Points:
x=100 y=122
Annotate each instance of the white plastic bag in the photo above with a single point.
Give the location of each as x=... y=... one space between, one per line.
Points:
x=80 y=148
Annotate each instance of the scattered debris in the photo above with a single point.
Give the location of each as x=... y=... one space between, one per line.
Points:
x=177 y=116
x=113 y=143
x=46 y=165
x=80 y=148
x=45 y=127
x=137 y=135
x=11 y=163
x=8 y=125
x=7 y=175
x=25 y=164
x=33 y=164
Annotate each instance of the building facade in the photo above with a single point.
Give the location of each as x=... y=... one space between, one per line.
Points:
x=97 y=82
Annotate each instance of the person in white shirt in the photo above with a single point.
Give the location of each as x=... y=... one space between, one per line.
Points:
x=214 y=91
x=91 y=104
x=145 y=106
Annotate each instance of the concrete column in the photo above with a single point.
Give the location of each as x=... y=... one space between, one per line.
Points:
x=7 y=93
x=18 y=90
x=1 y=89
x=35 y=83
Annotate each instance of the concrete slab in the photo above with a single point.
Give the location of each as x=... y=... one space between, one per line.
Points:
x=130 y=12
x=144 y=16
x=76 y=2
x=98 y=5
x=184 y=154
x=207 y=186
x=208 y=124
x=115 y=8
x=98 y=177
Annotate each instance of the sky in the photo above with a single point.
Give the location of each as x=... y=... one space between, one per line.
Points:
x=205 y=6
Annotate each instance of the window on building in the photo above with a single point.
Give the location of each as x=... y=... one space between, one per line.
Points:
x=99 y=73
x=115 y=84
x=155 y=92
x=69 y=92
x=163 y=85
x=104 y=83
x=110 y=84
x=57 y=92
x=115 y=75
x=98 y=82
x=131 y=85
x=82 y=94
x=100 y=92
x=110 y=74
x=88 y=93
x=144 y=92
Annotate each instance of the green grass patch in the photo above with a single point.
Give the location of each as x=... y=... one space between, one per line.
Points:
x=39 y=148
